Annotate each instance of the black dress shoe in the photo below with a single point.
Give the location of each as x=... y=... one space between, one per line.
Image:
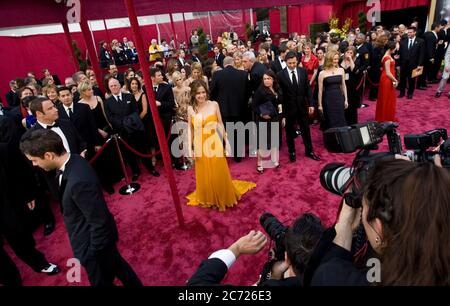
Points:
x=438 y=94
x=422 y=88
x=401 y=95
x=135 y=177
x=49 y=228
x=312 y=155
x=154 y=172
x=238 y=159
x=409 y=97
x=292 y=157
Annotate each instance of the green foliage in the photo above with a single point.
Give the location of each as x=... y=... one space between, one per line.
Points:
x=83 y=64
x=202 y=45
x=362 y=22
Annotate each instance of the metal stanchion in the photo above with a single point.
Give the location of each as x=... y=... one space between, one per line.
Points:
x=129 y=187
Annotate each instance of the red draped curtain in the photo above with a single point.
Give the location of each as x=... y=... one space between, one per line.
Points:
x=350 y=8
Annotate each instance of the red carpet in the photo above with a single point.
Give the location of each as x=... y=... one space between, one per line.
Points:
x=163 y=254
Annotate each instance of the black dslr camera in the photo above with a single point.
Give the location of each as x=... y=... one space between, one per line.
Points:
x=339 y=178
x=420 y=143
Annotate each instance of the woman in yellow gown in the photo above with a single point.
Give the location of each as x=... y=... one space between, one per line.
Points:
x=214 y=186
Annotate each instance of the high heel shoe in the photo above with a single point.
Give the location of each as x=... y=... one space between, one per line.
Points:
x=260 y=169
x=277 y=165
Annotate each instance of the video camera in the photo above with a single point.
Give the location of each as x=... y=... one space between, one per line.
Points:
x=339 y=178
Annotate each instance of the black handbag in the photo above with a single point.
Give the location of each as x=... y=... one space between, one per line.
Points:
x=268 y=109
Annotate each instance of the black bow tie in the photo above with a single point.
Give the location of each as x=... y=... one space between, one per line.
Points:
x=52 y=126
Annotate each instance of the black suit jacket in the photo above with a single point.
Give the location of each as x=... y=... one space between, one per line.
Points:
x=219 y=59
x=180 y=64
x=363 y=53
x=275 y=65
x=90 y=225
x=430 y=45
x=295 y=100
x=76 y=143
x=256 y=75
x=413 y=57
x=84 y=122
x=12 y=99
x=230 y=88
x=116 y=112
x=164 y=94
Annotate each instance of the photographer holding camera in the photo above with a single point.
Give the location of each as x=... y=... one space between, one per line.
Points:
x=405 y=212
x=293 y=247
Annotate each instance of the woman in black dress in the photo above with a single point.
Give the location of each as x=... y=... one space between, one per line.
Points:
x=267 y=107
x=353 y=75
x=332 y=92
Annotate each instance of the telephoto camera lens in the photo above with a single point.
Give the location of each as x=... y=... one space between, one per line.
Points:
x=335 y=176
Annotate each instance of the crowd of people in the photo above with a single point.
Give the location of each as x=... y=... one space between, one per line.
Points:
x=292 y=85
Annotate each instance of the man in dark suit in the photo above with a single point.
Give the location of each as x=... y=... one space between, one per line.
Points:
x=254 y=68
x=297 y=105
x=118 y=108
x=91 y=227
x=105 y=55
x=279 y=62
x=18 y=195
x=82 y=118
x=165 y=102
x=229 y=87
x=48 y=118
x=218 y=56
x=12 y=98
x=431 y=39
x=411 y=57
x=181 y=58
x=114 y=72
x=440 y=51
x=194 y=56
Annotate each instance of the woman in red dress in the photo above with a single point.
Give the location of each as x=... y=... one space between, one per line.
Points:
x=387 y=101
x=310 y=63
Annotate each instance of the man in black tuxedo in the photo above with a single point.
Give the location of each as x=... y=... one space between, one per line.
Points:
x=431 y=39
x=118 y=109
x=218 y=56
x=279 y=63
x=12 y=98
x=194 y=56
x=165 y=102
x=18 y=195
x=411 y=57
x=82 y=118
x=105 y=55
x=254 y=68
x=91 y=227
x=114 y=72
x=48 y=118
x=297 y=105
x=181 y=58
x=230 y=88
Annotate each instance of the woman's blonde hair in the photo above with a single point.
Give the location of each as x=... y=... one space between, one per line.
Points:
x=176 y=75
x=197 y=66
x=82 y=87
x=329 y=56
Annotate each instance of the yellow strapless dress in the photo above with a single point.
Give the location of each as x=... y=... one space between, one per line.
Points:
x=214 y=186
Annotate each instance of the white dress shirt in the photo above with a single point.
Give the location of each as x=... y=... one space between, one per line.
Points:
x=66 y=108
x=63 y=167
x=283 y=63
x=58 y=131
x=224 y=255
x=118 y=96
x=290 y=74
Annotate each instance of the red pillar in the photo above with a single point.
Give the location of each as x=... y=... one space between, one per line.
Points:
x=173 y=30
x=186 y=32
x=143 y=62
x=69 y=44
x=93 y=57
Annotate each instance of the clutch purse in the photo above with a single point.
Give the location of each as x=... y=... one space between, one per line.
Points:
x=416 y=72
x=268 y=109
